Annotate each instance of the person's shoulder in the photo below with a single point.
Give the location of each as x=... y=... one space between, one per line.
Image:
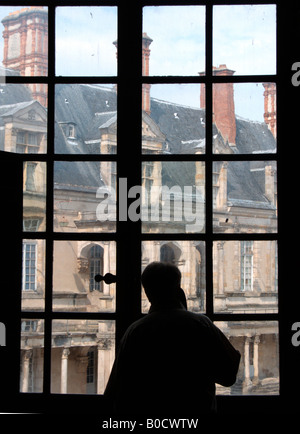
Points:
x=199 y=318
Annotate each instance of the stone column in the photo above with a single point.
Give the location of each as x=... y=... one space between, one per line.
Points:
x=64 y=370
x=255 y=360
x=103 y=353
x=247 y=381
x=26 y=362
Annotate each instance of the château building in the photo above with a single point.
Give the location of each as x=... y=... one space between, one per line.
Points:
x=244 y=202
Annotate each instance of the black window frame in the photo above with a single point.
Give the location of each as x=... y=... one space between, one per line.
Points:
x=128 y=299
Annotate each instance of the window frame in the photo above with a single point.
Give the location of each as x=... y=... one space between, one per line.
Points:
x=128 y=303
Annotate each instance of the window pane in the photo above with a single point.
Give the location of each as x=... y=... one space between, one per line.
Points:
x=32 y=356
x=173 y=197
x=245 y=276
x=177 y=38
x=245 y=196
x=75 y=265
x=24 y=48
x=189 y=257
x=172 y=121
x=84 y=196
x=23 y=118
x=244 y=117
x=33 y=275
x=244 y=37
x=257 y=342
x=73 y=367
x=34 y=196
x=86 y=119
x=84 y=41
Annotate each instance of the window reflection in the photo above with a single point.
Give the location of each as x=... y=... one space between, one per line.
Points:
x=25 y=40
x=82 y=355
x=245 y=196
x=75 y=265
x=245 y=120
x=85 y=119
x=32 y=356
x=178 y=34
x=84 y=196
x=33 y=275
x=173 y=197
x=34 y=196
x=84 y=41
x=244 y=36
x=245 y=276
x=257 y=342
x=172 y=122
x=189 y=257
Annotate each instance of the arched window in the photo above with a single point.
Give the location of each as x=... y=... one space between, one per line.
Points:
x=95 y=267
x=167 y=254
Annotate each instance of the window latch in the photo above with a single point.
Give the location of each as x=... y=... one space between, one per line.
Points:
x=108 y=278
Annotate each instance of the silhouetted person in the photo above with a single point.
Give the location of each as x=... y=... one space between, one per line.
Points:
x=169 y=361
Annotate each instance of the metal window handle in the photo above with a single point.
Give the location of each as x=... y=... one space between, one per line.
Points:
x=108 y=278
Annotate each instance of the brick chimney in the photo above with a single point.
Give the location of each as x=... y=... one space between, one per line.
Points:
x=146 y=105
x=146 y=41
x=26 y=46
x=270 y=107
x=223 y=104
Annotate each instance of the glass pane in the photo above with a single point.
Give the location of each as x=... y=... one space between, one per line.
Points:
x=244 y=37
x=84 y=196
x=176 y=37
x=24 y=47
x=172 y=121
x=245 y=196
x=257 y=341
x=84 y=41
x=82 y=355
x=245 y=276
x=34 y=196
x=189 y=257
x=75 y=265
x=173 y=197
x=33 y=275
x=86 y=119
x=244 y=118
x=32 y=356
x=23 y=118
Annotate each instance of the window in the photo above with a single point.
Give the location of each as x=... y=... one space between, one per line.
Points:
x=29 y=266
x=96 y=267
x=247 y=265
x=139 y=142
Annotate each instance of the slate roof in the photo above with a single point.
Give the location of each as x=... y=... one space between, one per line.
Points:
x=90 y=107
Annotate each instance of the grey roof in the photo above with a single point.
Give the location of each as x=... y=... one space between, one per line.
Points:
x=82 y=104
x=184 y=127
x=76 y=174
x=91 y=107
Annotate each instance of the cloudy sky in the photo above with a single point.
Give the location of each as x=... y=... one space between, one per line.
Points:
x=244 y=38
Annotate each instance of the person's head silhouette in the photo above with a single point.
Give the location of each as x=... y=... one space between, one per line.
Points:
x=161 y=281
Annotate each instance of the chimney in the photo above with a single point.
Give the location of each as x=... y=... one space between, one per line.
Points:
x=26 y=46
x=223 y=104
x=270 y=107
x=146 y=41
x=145 y=71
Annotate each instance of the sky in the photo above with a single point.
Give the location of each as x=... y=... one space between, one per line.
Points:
x=244 y=38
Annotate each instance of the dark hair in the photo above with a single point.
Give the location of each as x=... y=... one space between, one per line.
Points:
x=161 y=281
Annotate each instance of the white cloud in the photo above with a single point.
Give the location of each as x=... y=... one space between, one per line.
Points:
x=178 y=34
x=244 y=38
x=84 y=41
